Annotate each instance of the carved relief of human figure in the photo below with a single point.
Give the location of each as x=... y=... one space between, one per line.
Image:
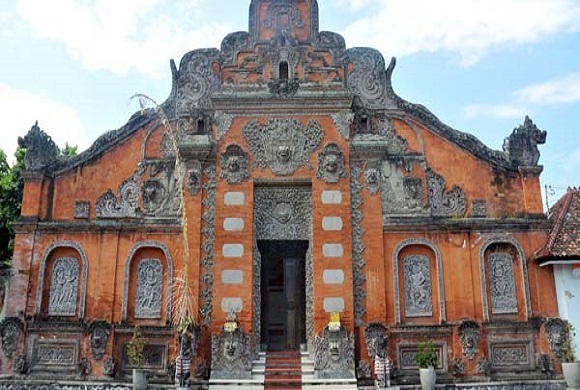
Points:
x=63 y=288
x=418 y=286
x=149 y=288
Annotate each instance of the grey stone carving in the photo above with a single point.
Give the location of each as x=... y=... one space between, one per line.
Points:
x=207 y=246
x=11 y=329
x=557 y=333
x=124 y=204
x=368 y=79
x=257 y=297
x=342 y=121
x=358 y=247
x=231 y=356
x=401 y=194
x=99 y=332
x=20 y=365
x=510 y=355
x=502 y=286
x=223 y=122
x=64 y=285
x=469 y=338
x=233 y=43
x=84 y=367
x=363 y=370
x=331 y=164
x=444 y=204
x=457 y=366
x=397 y=145
x=545 y=364
x=160 y=191
x=41 y=151
x=376 y=340
x=234 y=165
x=109 y=366
x=309 y=282
x=406 y=355
x=417 y=286
x=283 y=9
x=284 y=86
x=81 y=210
x=334 y=354
x=373 y=176
x=194 y=178
x=283 y=145
x=149 y=289
x=283 y=213
x=483 y=367
x=479 y=208
x=522 y=145
x=51 y=353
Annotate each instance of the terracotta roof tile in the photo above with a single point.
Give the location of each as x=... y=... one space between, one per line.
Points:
x=564 y=219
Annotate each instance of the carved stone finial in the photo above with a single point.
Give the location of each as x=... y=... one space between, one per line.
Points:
x=522 y=145
x=41 y=150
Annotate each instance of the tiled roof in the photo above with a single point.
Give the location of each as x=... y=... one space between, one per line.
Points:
x=564 y=218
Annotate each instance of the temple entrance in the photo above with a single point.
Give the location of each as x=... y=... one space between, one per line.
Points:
x=283 y=294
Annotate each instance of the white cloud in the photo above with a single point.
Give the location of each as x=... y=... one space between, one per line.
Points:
x=561 y=90
x=59 y=121
x=467 y=27
x=121 y=36
x=502 y=111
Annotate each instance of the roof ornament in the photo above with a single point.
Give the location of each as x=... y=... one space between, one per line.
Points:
x=522 y=144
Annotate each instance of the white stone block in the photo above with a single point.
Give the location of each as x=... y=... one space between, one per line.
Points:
x=232 y=276
x=233 y=224
x=231 y=303
x=332 y=250
x=234 y=198
x=333 y=276
x=333 y=304
x=233 y=250
x=331 y=197
x=332 y=223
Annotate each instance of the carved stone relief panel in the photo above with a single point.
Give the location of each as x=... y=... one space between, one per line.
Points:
x=283 y=145
x=334 y=354
x=479 y=208
x=81 y=210
x=406 y=356
x=55 y=354
x=283 y=213
x=64 y=285
x=368 y=80
x=401 y=194
x=502 y=286
x=373 y=176
x=444 y=204
x=207 y=245
x=557 y=335
x=358 y=246
x=417 y=286
x=194 y=178
x=376 y=340
x=160 y=190
x=149 y=289
x=331 y=164
x=122 y=205
x=223 y=123
x=469 y=337
x=231 y=356
x=234 y=165
x=99 y=332
x=515 y=355
x=342 y=121
x=11 y=329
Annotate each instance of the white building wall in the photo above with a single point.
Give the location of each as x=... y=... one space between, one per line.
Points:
x=568 y=291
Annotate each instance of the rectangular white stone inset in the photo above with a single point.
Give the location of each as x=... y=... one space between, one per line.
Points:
x=333 y=276
x=332 y=250
x=232 y=276
x=234 y=198
x=233 y=224
x=333 y=304
x=231 y=303
x=332 y=223
x=233 y=250
x=331 y=197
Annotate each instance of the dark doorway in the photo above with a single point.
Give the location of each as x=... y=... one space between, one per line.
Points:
x=283 y=304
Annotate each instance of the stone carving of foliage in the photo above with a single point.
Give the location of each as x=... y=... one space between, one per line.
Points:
x=207 y=246
x=396 y=145
x=368 y=79
x=342 y=121
x=283 y=145
x=99 y=332
x=557 y=334
x=522 y=145
x=479 y=208
x=333 y=42
x=41 y=150
x=457 y=366
x=194 y=179
x=64 y=285
x=234 y=165
x=149 y=289
x=358 y=247
x=444 y=204
x=124 y=204
x=401 y=195
x=20 y=365
x=109 y=367
x=84 y=367
x=331 y=164
x=223 y=123
x=373 y=176
x=283 y=213
x=376 y=340
x=81 y=210
x=334 y=351
x=483 y=367
x=469 y=338
x=233 y=43
x=502 y=287
x=417 y=285
x=11 y=329
x=231 y=355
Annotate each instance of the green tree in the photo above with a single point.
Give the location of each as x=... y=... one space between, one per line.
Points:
x=11 y=189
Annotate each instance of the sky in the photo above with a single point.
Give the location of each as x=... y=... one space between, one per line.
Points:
x=479 y=65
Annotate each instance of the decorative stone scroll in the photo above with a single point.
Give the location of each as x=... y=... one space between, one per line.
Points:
x=368 y=79
x=469 y=338
x=99 y=332
x=444 y=204
x=342 y=121
x=223 y=123
x=376 y=340
x=124 y=204
x=11 y=329
x=358 y=247
x=502 y=286
x=149 y=289
x=231 y=356
x=207 y=245
x=511 y=356
x=417 y=286
x=81 y=210
x=557 y=334
x=401 y=194
x=64 y=285
x=522 y=145
x=331 y=164
x=283 y=145
x=41 y=150
x=234 y=165
x=283 y=213
x=334 y=354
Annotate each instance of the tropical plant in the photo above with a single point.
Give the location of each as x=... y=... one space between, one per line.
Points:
x=426 y=356
x=135 y=348
x=569 y=346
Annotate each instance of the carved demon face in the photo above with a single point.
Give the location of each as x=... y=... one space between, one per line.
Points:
x=233 y=164
x=556 y=333
x=284 y=152
x=469 y=336
x=232 y=348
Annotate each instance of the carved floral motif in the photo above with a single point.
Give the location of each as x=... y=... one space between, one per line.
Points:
x=376 y=340
x=502 y=287
x=11 y=329
x=444 y=204
x=99 y=332
x=81 y=210
x=557 y=334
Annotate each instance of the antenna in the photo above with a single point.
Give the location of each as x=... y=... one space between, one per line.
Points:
x=549 y=190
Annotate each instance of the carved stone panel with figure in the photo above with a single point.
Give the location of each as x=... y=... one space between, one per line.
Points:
x=417 y=282
x=64 y=286
x=148 y=297
x=502 y=286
